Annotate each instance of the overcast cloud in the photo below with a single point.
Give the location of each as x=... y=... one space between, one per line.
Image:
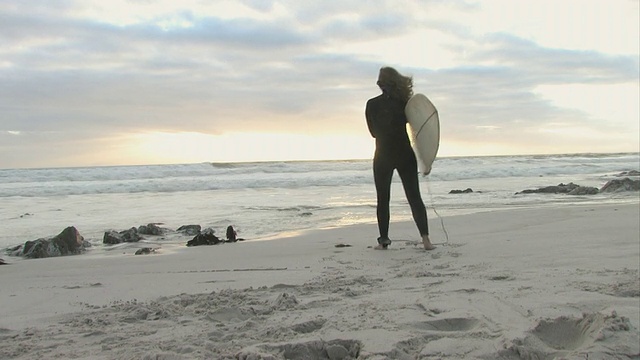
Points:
x=79 y=75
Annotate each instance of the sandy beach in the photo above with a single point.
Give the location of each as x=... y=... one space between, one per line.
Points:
x=547 y=283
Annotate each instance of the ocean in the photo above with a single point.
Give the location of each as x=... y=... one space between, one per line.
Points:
x=264 y=200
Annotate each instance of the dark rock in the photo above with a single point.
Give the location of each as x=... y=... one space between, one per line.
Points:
x=68 y=242
x=130 y=235
x=190 y=229
x=570 y=188
x=232 y=236
x=2 y=262
x=584 y=190
x=629 y=173
x=150 y=229
x=145 y=251
x=559 y=189
x=625 y=184
x=14 y=251
x=113 y=237
x=204 y=238
x=466 y=191
x=36 y=249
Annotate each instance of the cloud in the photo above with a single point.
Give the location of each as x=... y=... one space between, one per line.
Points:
x=95 y=70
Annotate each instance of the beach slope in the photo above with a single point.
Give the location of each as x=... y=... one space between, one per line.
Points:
x=543 y=283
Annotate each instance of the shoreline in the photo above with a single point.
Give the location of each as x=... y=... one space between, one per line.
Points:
x=504 y=283
x=46 y=220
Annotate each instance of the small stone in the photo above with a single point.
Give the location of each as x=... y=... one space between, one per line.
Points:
x=145 y=251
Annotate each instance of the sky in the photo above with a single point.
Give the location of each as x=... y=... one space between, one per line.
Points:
x=92 y=82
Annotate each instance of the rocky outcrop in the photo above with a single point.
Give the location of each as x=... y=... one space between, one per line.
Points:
x=113 y=237
x=465 y=191
x=569 y=189
x=207 y=237
x=619 y=185
x=190 y=229
x=68 y=242
x=616 y=185
x=150 y=229
x=583 y=190
x=629 y=173
x=145 y=251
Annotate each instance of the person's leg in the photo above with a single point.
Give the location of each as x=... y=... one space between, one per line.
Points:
x=382 y=176
x=408 y=172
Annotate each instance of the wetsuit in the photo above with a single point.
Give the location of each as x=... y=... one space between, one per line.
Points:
x=387 y=123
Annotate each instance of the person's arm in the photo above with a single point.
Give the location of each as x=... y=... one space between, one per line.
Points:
x=368 y=113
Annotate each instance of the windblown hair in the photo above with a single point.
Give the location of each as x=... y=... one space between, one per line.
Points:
x=395 y=84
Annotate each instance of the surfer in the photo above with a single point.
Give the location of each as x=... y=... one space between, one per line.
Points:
x=387 y=123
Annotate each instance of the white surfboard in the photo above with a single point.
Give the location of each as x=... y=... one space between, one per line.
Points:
x=424 y=127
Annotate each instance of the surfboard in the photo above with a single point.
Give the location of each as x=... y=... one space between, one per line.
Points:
x=424 y=127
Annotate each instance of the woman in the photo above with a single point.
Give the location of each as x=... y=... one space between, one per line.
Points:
x=387 y=123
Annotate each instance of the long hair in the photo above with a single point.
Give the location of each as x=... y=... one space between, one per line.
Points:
x=394 y=84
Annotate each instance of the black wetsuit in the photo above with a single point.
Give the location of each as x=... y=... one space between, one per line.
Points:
x=387 y=123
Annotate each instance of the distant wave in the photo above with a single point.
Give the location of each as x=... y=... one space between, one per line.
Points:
x=294 y=174
x=224 y=165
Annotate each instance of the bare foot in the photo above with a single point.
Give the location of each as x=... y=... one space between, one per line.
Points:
x=380 y=247
x=427 y=243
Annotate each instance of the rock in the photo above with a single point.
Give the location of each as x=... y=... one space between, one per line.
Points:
x=625 y=184
x=559 y=189
x=629 y=173
x=113 y=237
x=150 y=229
x=145 y=251
x=190 y=229
x=2 y=262
x=35 y=249
x=466 y=191
x=68 y=242
x=130 y=235
x=205 y=238
x=342 y=245
x=584 y=190
x=14 y=251
x=232 y=236
x=569 y=189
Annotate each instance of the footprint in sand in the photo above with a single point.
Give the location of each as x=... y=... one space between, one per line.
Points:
x=308 y=326
x=566 y=337
x=338 y=349
x=569 y=333
x=451 y=324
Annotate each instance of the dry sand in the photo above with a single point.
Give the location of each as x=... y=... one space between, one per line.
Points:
x=551 y=283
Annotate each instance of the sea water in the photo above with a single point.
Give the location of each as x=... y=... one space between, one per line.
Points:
x=264 y=200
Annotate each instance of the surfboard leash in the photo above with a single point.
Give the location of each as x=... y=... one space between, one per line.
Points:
x=444 y=228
